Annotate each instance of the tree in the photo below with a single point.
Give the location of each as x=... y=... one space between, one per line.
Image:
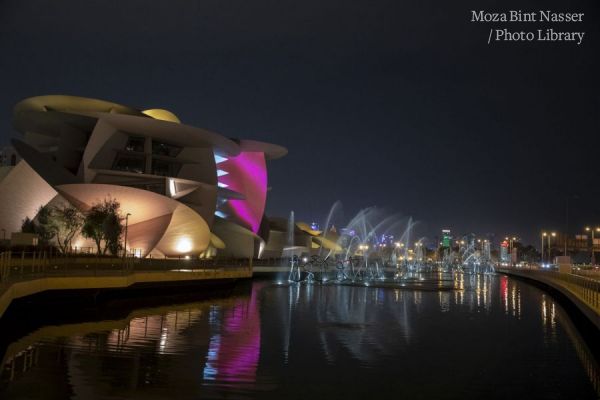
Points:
x=103 y=224
x=28 y=226
x=42 y=225
x=45 y=228
x=113 y=228
x=67 y=223
x=527 y=253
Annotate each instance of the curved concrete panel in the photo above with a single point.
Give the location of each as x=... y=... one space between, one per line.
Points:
x=178 y=134
x=271 y=151
x=22 y=193
x=187 y=234
x=143 y=236
x=159 y=113
x=50 y=124
x=43 y=164
x=141 y=204
x=71 y=104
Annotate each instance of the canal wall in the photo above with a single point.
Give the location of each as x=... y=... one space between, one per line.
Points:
x=582 y=293
x=21 y=278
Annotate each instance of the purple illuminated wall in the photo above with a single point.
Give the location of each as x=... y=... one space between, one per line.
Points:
x=247 y=174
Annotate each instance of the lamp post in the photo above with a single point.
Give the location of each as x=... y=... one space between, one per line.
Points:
x=363 y=249
x=544 y=234
x=588 y=229
x=550 y=236
x=125 y=241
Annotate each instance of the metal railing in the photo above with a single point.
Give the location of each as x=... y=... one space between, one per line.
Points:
x=590 y=273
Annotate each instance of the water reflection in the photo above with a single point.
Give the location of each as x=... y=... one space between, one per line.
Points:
x=275 y=339
x=234 y=346
x=152 y=351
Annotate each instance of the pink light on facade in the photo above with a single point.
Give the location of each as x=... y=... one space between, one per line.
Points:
x=247 y=174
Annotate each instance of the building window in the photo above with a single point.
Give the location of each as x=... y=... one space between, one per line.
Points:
x=129 y=163
x=164 y=168
x=151 y=187
x=165 y=149
x=135 y=143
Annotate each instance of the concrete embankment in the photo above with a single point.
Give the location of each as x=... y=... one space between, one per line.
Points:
x=132 y=282
x=580 y=296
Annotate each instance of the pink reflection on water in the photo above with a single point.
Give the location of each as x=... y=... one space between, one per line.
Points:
x=234 y=351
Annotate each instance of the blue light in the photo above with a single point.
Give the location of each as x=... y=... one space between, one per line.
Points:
x=219 y=159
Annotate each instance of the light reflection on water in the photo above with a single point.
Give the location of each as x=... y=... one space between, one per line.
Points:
x=491 y=336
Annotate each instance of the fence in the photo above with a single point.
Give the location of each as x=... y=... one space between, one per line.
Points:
x=590 y=273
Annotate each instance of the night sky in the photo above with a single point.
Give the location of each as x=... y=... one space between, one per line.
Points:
x=398 y=104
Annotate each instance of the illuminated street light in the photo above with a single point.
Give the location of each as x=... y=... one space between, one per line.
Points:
x=588 y=229
x=544 y=234
x=125 y=241
x=550 y=236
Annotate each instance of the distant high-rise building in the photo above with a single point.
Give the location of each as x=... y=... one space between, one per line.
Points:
x=446 y=238
x=504 y=254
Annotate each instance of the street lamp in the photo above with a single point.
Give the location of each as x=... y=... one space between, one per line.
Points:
x=588 y=229
x=550 y=236
x=544 y=234
x=125 y=241
x=363 y=248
